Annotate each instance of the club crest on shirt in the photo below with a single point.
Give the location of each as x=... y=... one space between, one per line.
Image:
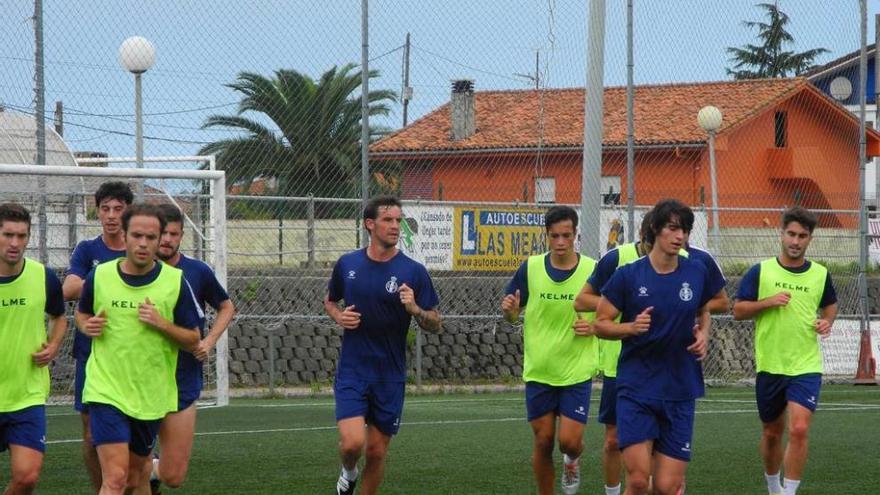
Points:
x=391 y=285
x=685 y=294
x=351 y=274
x=643 y=291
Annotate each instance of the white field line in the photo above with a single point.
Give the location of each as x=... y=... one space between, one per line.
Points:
x=834 y=408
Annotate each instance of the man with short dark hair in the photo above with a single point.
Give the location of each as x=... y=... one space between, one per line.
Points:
x=383 y=290
x=111 y=200
x=783 y=295
x=178 y=427
x=561 y=355
x=27 y=291
x=139 y=313
x=659 y=377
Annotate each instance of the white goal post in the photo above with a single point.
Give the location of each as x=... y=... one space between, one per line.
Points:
x=216 y=234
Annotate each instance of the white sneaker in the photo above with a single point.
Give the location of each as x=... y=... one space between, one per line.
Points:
x=571 y=478
x=344 y=486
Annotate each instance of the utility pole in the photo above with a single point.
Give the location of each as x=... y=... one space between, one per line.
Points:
x=407 y=92
x=59 y=118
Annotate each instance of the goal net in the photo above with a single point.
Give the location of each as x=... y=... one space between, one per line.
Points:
x=63 y=213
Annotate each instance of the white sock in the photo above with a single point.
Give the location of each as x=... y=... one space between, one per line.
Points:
x=350 y=474
x=154 y=472
x=790 y=486
x=568 y=460
x=773 y=485
x=612 y=490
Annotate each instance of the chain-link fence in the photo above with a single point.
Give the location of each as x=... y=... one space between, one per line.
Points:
x=475 y=110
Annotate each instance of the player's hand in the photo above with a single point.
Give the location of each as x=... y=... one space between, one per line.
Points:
x=700 y=347
x=46 y=354
x=642 y=322
x=94 y=326
x=779 y=299
x=349 y=319
x=823 y=328
x=583 y=328
x=408 y=299
x=204 y=348
x=510 y=302
x=147 y=313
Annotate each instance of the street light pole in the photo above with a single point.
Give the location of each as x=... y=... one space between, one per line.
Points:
x=137 y=55
x=709 y=118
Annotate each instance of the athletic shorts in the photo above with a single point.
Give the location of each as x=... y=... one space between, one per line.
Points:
x=25 y=427
x=79 y=382
x=110 y=425
x=380 y=403
x=773 y=392
x=571 y=401
x=669 y=423
x=608 y=403
x=189 y=380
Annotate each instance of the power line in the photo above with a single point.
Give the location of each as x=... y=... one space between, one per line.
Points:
x=476 y=69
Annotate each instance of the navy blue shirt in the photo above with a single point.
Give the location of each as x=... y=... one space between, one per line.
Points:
x=605 y=268
x=376 y=350
x=186 y=313
x=705 y=257
x=520 y=280
x=85 y=257
x=748 y=286
x=206 y=290
x=657 y=364
x=54 y=294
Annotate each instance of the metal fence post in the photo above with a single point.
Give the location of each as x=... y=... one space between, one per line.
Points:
x=71 y=223
x=310 y=230
x=280 y=240
x=271 y=335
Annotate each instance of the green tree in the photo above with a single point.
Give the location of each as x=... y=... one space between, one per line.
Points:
x=305 y=133
x=771 y=58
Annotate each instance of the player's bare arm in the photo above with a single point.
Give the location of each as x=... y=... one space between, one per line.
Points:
x=510 y=306
x=719 y=303
x=827 y=315
x=72 y=287
x=607 y=328
x=744 y=310
x=702 y=330
x=49 y=351
x=186 y=338
x=347 y=318
x=427 y=319
x=587 y=299
x=225 y=313
x=89 y=324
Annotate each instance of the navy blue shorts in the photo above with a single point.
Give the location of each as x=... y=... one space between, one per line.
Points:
x=79 y=382
x=380 y=403
x=110 y=425
x=773 y=392
x=189 y=379
x=608 y=403
x=669 y=423
x=25 y=427
x=571 y=401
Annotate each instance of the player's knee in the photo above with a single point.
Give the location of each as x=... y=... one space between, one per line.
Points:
x=638 y=482
x=173 y=478
x=772 y=434
x=375 y=453
x=115 y=478
x=798 y=431
x=25 y=480
x=351 y=446
x=544 y=444
x=611 y=447
x=571 y=446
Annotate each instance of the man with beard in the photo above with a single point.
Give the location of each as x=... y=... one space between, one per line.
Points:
x=783 y=295
x=383 y=290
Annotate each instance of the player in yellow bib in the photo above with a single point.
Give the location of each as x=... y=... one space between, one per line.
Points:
x=560 y=355
x=783 y=295
x=27 y=291
x=139 y=313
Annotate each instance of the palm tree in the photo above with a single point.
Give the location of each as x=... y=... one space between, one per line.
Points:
x=306 y=134
x=770 y=58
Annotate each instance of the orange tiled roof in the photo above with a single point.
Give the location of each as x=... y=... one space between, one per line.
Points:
x=664 y=115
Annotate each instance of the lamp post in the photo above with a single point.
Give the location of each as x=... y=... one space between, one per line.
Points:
x=709 y=119
x=137 y=55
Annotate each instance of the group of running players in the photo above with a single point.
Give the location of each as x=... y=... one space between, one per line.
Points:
x=640 y=316
x=138 y=352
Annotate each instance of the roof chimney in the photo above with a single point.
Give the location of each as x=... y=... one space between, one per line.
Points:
x=464 y=119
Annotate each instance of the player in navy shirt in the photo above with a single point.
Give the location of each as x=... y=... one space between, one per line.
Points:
x=178 y=428
x=382 y=290
x=111 y=200
x=659 y=376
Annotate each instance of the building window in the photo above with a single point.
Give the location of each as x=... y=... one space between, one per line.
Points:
x=610 y=190
x=780 y=120
x=545 y=189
